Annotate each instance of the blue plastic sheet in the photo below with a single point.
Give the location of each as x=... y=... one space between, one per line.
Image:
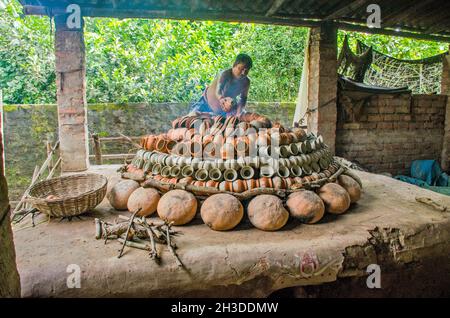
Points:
x=429 y=175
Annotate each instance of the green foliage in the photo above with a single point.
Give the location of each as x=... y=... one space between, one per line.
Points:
x=26 y=57
x=398 y=47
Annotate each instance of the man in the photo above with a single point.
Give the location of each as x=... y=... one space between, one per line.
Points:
x=227 y=94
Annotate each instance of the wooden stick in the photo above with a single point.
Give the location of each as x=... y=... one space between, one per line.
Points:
x=133 y=176
x=97 y=149
x=208 y=191
x=154 y=252
x=41 y=170
x=128 y=231
x=130 y=140
x=98 y=229
x=52 y=172
x=134 y=244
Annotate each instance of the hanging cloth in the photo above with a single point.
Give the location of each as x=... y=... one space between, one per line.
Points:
x=302 y=97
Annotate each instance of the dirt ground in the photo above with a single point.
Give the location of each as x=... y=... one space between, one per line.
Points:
x=410 y=241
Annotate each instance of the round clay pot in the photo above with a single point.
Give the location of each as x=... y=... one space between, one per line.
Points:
x=120 y=192
x=222 y=212
x=177 y=206
x=336 y=198
x=306 y=206
x=266 y=212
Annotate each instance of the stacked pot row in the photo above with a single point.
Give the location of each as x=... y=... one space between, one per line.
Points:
x=231 y=169
x=183 y=141
x=241 y=185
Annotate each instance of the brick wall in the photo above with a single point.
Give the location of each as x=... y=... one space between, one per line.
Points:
x=386 y=132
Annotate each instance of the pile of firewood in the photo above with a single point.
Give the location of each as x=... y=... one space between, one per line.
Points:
x=137 y=232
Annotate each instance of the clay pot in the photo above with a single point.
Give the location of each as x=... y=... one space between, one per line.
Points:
x=266 y=212
x=226 y=186
x=173 y=180
x=267 y=171
x=150 y=143
x=289 y=182
x=247 y=172
x=227 y=151
x=177 y=206
x=265 y=182
x=199 y=183
x=187 y=171
x=263 y=140
x=242 y=146
x=156 y=169
x=335 y=197
x=298 y=181
x=278 y=183
x=283 y=172
x=161 y=143
x=284 y=139
x=158 y=177
x=252 y=184
x=222 y=212
x=175 y=171
x=212 y=184
x=189 y=133
x=165 y=171
x=215 y=174
x=265 y=151
x=239 y=186
x=306 y=206
x=187 y=180
x=201 y=174
x=230 y=175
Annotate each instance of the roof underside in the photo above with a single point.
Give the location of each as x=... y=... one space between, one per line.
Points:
x=423 y=19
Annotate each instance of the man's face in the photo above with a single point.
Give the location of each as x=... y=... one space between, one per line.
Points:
x=240 y=70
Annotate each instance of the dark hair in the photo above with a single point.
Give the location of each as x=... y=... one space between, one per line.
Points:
x=244 y=59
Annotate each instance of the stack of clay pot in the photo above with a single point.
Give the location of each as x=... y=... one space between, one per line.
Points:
x=234 y=154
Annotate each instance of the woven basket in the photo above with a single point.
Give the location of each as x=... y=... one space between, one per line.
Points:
x=74 y=194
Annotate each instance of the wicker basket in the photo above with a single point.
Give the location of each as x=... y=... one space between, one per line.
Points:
x=73 y=195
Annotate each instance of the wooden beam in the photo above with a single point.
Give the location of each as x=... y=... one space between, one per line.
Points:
x=419 y=36
x=303 y=21
x=276 y=4
x=345 y=9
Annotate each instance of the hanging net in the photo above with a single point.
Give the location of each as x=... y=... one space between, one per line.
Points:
x=375 y=68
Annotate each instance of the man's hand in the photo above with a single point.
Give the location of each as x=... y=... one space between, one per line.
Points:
x=227 y=104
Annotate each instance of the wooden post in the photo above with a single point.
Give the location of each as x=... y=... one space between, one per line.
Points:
x=71 y=96
x=322 y=83
x=9 y=276
x=97 y=149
